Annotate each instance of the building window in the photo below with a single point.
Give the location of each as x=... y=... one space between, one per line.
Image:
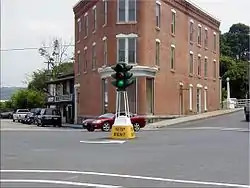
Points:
x=214 y=42
x=94 y=18
x=206 y=38
x=79 y=29
x=173 y=23
x=214 y=65
x=191 y=30
x=158 y=14
x=105 y=51
x=199 y=34
x=190 y=97
x=126 y=10
x=78 y=63
x=157 y=53
x=205 y=99
x=205 y=67
x=85 y=63
x=191 y=63
x=126 y=50
x=199 y=65
x=94 y=56
x=172 y=59
x=105 y=7
x=86 y=25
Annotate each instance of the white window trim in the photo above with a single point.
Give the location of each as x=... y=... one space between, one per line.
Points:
x=199 y=25
x=126 y=12
x=191 y=52
x=94 y=43
x=105 y=12
x=94 y=7
x=190 y=97
x=131 y=35
x=78 y=63
x=85 y=48
x=158 y=2
x=173 y=10
x=205 y=98
x=86 y=24
x=105 y=59
x=126 y=37
x=172 y=45
x=206 y=28
x=199 y=86
x=199 y=55
x=191 y=21
x=158 y=40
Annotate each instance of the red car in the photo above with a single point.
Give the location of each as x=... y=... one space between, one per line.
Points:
x=105 y=122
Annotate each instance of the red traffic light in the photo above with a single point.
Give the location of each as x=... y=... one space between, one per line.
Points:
x=119 y=75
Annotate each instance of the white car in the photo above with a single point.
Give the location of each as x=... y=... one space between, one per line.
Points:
x=20 y=114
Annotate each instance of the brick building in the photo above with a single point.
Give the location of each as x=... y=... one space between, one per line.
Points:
x=173 y=45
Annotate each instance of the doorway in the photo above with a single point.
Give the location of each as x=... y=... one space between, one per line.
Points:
x=198 y=98
x=181 y=101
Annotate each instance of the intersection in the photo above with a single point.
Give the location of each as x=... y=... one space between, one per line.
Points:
x=207 y=153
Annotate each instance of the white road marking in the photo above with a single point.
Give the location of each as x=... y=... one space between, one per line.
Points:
x=56 y=182
x=131 y=177
x=104 y=142
x=210 y=128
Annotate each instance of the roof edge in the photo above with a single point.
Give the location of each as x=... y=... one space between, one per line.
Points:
x=203 y=11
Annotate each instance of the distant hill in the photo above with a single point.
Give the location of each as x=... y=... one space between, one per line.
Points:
x=6 y=92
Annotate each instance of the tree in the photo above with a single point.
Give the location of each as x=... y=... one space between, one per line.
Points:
x=28 y=98
x=59 y=62
x=237 y=71
x=40 y=77
x=57 y=56
x=235 y=42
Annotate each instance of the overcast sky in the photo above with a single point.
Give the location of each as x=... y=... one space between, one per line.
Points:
x=29 y=23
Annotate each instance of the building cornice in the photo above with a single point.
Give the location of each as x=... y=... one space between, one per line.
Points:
x=190 y=9
x=83 y=6
x=138 y=71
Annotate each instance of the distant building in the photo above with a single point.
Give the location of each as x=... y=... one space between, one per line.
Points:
x=173 y=46
x=62 y=96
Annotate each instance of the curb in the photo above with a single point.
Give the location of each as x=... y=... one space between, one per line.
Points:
x=166 y=123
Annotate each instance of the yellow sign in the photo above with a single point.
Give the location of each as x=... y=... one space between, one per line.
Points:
x=122 y=132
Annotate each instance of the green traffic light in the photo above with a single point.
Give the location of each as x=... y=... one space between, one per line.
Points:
x=120 y=83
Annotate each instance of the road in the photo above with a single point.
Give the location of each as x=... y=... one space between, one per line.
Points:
x=196 y=154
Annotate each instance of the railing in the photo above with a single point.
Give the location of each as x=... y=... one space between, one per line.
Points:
x=242 y=102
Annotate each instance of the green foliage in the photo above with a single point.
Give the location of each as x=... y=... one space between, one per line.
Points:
x=234 y=50
x=235 y=43
x=40 y=77
x=28 y=98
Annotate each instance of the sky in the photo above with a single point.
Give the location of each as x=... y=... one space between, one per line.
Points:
x=31 y=23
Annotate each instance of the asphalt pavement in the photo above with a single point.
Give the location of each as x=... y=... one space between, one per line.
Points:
x=207 y=153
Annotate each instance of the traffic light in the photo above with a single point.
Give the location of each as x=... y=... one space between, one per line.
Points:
x=122 y=76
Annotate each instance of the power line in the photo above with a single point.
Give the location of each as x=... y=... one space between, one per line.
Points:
x=31 y=48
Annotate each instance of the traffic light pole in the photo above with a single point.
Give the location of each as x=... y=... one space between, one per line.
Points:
x=119 y=96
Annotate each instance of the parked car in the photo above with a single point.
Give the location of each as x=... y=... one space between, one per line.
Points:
x=49 y=116
x=20 y=114
x=7 y=115
x=247 y=110
x=105 y=122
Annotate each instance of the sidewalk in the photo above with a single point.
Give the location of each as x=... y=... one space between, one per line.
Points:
x=185 y=119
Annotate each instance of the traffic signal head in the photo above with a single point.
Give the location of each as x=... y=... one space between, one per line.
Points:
x=122 y=76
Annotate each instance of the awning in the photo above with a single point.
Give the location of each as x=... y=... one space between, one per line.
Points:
x=138 y=71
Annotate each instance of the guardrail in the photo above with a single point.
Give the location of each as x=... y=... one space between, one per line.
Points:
x=242 y=102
